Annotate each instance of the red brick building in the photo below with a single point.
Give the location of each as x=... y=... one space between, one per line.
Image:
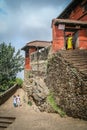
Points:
x=32 y=47
x=72 y=20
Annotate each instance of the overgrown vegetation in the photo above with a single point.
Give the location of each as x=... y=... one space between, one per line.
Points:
x=11 y=63
x=19 y=81
x=4 y=87
x=51 y=101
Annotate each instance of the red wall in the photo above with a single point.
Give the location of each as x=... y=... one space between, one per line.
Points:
x=83 y=39
x=76 y=13
x=31 y=50
x=58 y=38
x=27 y=63
x=27 y=58
x=58 y=35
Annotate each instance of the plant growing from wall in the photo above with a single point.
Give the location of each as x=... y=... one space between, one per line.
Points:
x=29 y=103
x=51 y=101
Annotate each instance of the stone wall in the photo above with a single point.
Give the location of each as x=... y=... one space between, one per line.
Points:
x=34 y=84
x=41 y=54
x=68 y=85
x=39 y=62
x=7 y=94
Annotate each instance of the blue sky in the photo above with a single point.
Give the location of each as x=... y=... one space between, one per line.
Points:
x=22 y=21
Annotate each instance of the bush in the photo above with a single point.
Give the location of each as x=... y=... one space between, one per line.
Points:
x=29 y=103
x=11 y=83
x=19 y=81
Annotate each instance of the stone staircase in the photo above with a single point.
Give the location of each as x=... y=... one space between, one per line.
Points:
x=6 y=121
x=78 y=58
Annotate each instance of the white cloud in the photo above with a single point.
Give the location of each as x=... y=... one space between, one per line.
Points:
x=24 y=20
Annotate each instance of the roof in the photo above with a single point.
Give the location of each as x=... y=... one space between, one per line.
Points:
x=66 y=12
x=37 y=44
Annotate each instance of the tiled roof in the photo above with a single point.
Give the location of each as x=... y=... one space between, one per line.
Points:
x=37 y=43
x=66 y=12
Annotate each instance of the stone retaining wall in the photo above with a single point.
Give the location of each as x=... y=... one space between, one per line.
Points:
x=68 y=85
x=7 y=94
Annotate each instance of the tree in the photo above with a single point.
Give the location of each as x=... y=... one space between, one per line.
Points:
x=11 y=63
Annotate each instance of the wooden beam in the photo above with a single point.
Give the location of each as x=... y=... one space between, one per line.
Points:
x=70 y=22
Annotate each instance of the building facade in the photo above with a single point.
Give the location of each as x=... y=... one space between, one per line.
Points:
x=32 y=47
x=73 y=20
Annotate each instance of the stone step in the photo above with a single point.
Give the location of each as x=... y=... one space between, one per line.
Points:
x=3 y=125
x=80 y=64
x=80 y=56
x=74 y=51
x=75 y=54
x=7 y=117
x=77 y=60
x=76 y=57
x=6 y=121
x=83 y=69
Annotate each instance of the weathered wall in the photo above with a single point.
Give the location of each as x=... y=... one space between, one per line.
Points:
x=39 y=62
x=27 y=61
x=58 y=38
x=77 y=12
x=68 y=85
x=66 y=82
x=34 y=84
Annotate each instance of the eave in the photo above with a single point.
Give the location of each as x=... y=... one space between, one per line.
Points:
x=68 y=22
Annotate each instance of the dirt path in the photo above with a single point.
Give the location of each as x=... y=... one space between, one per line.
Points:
x=29 y=117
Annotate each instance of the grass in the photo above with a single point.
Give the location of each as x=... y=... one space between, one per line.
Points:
x=51 y=101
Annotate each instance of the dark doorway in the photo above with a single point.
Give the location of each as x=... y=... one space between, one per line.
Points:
x=75 y=40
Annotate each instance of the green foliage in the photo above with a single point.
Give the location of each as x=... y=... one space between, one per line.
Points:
x=11 y=83
x=51 y=101
x=19 y=81
x=3 y=88
x=11 y=63
x=29 y=103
